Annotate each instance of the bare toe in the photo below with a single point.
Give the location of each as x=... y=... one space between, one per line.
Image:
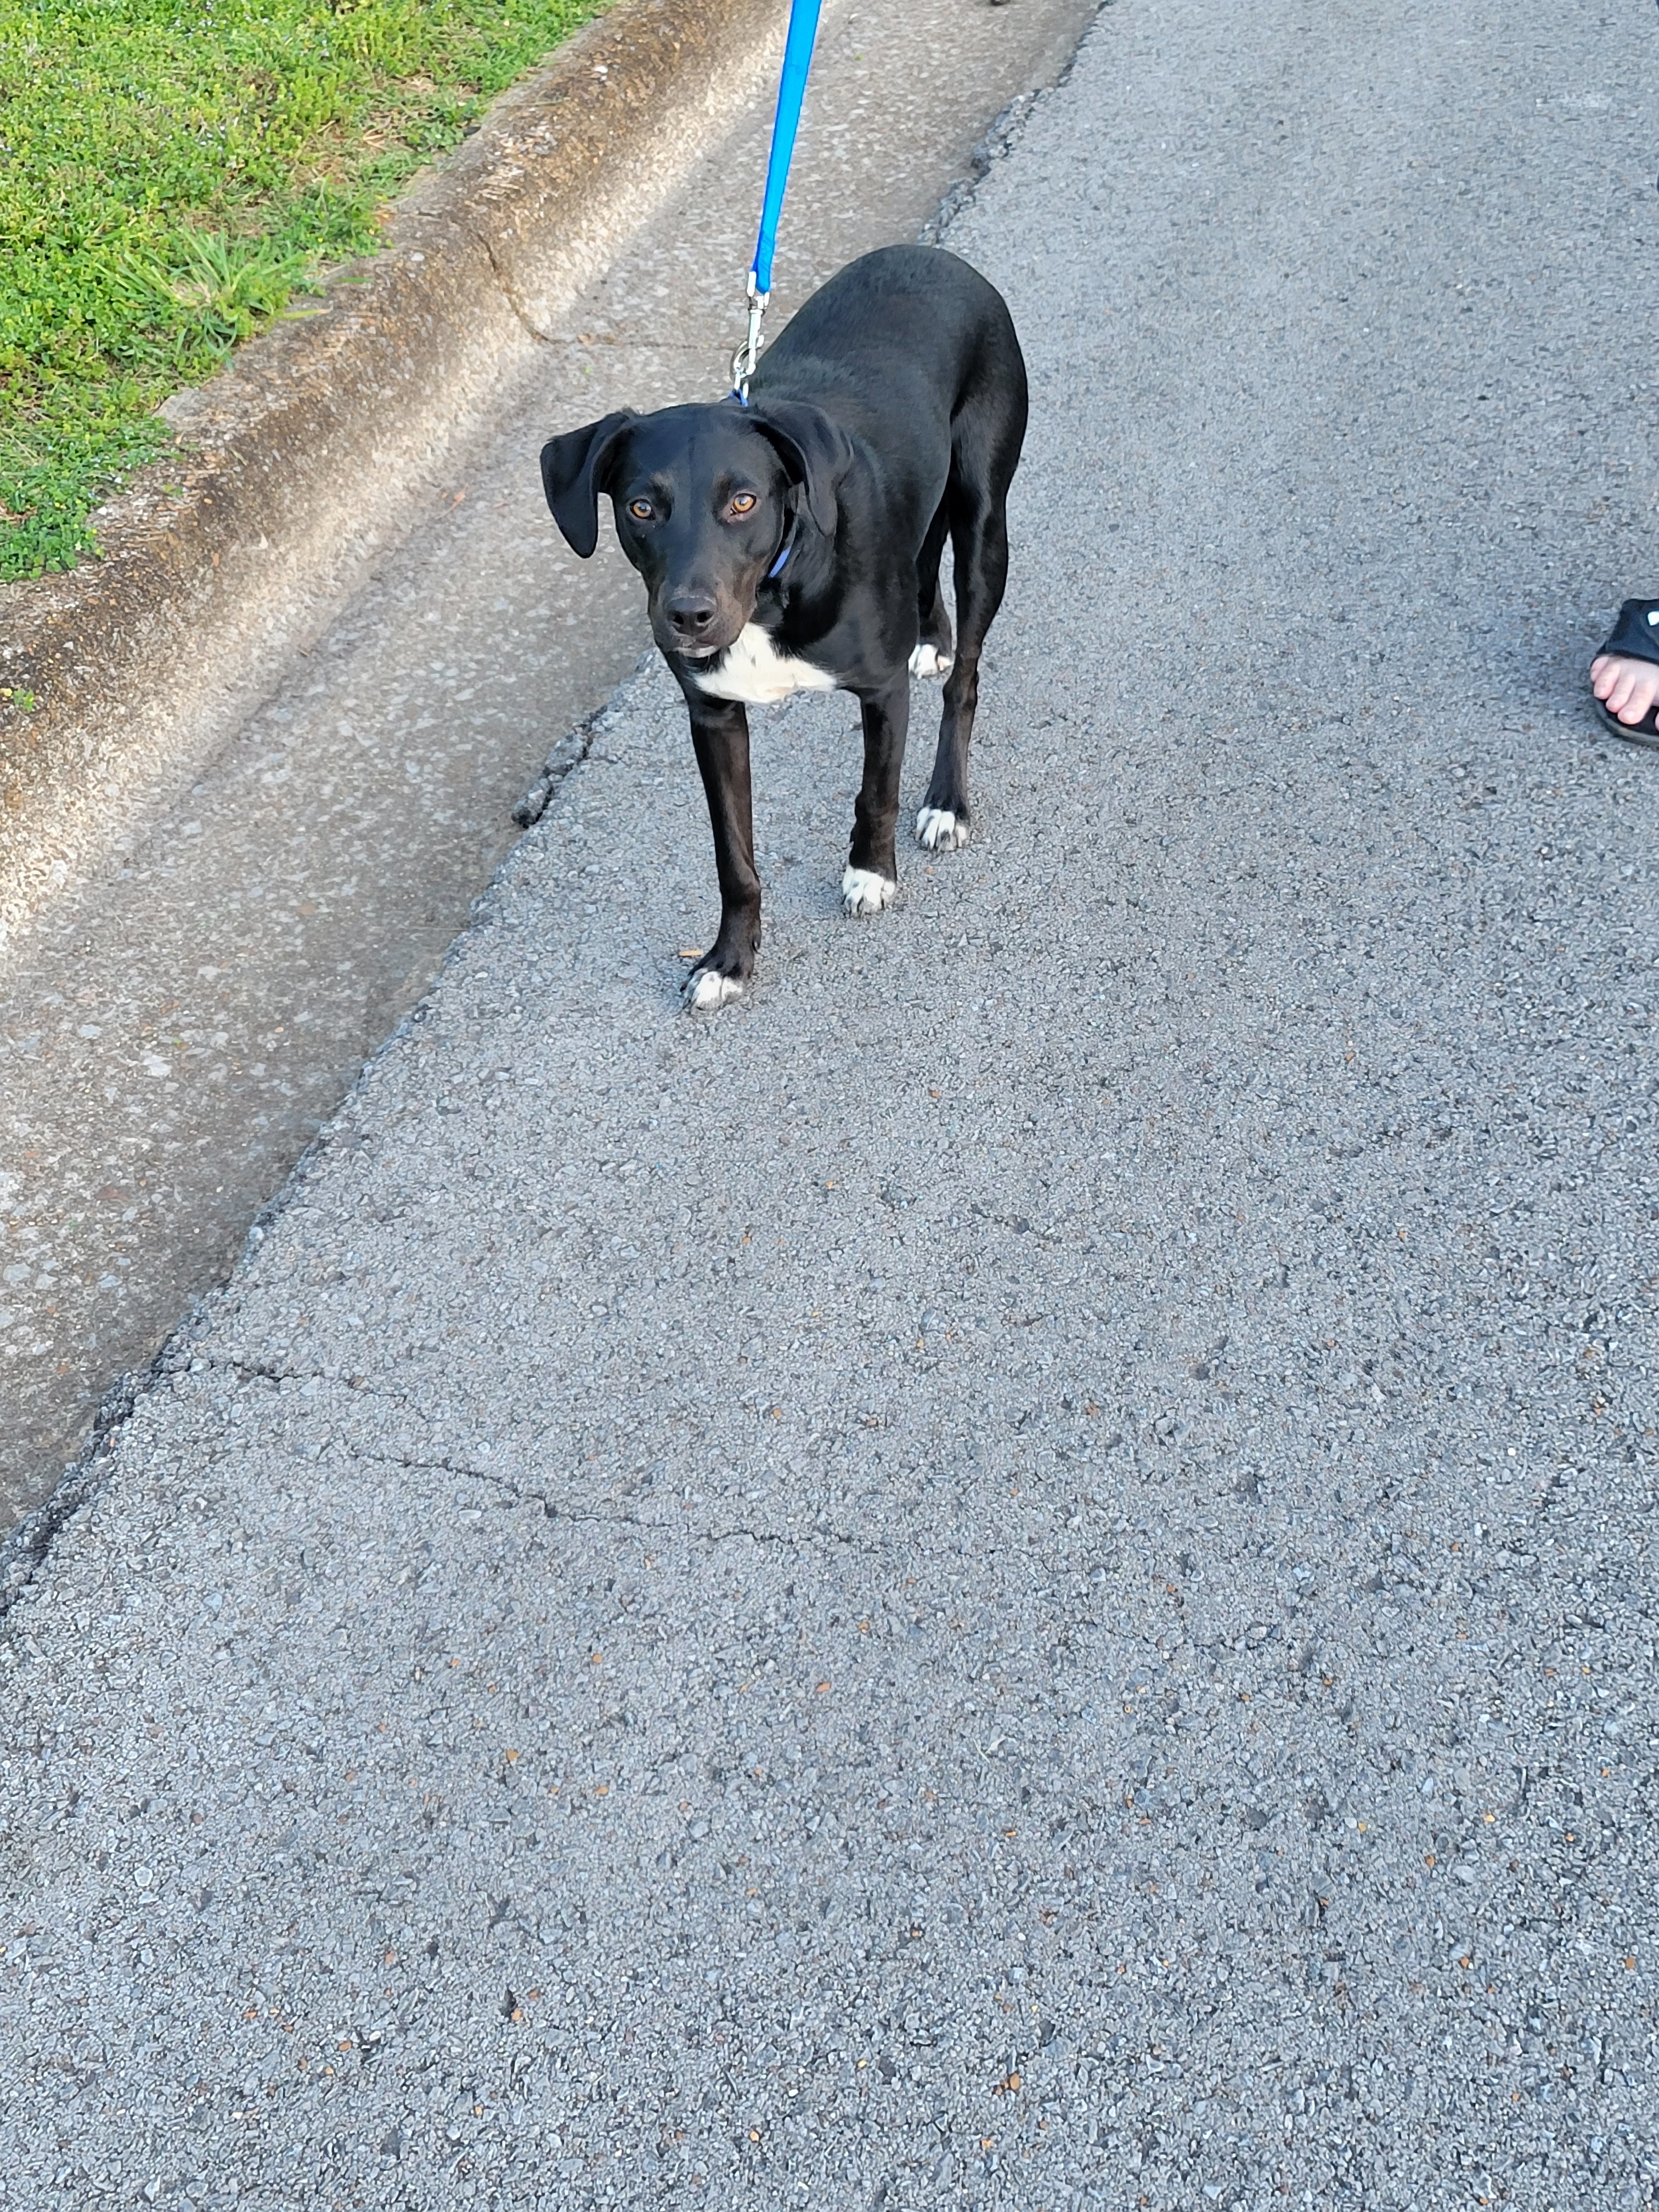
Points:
x=1626 y=688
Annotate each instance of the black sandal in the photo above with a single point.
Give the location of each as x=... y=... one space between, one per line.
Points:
x=1635 y=637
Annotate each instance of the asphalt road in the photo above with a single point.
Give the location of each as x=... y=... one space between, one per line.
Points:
x=1020 y=1572
x=175 y=1029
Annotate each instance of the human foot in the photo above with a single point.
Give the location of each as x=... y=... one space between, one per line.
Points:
x=1626 y=688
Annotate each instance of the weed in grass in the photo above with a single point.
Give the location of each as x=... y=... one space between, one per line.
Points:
x=171 y=175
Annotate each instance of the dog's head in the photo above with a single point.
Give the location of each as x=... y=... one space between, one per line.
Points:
x=705 y=499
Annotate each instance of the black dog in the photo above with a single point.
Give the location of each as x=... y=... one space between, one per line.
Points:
x=794 y=544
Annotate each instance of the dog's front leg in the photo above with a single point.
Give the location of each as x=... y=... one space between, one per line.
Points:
x=720 y=733
x=871 y=881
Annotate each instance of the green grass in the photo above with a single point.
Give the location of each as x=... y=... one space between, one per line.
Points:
x=172 y=173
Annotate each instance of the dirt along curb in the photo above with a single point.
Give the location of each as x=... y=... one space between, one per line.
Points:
x=300 y=461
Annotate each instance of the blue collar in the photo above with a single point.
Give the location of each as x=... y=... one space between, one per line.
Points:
x=786 y=548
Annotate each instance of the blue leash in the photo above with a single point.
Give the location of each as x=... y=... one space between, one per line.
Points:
x=792 y=91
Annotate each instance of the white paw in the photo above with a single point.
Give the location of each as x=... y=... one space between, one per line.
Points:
x=863 y=891
x=938 y=831
x=706 y=991
x=928 y=660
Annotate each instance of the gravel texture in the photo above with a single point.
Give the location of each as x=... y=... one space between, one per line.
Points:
x=1020 y=1572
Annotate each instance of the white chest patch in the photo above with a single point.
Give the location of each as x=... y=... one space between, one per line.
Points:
x=754 y=673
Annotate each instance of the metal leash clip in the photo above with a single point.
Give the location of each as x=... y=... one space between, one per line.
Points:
x=744 y=360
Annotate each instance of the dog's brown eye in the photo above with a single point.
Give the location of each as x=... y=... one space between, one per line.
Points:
x=641 y=509
x=744 y=503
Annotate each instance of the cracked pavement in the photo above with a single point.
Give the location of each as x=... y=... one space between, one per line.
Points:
x=1020 y=1572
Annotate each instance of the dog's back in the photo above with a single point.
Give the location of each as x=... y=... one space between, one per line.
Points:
x=896 y=347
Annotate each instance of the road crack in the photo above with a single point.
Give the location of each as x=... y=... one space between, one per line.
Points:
x=526 y=1494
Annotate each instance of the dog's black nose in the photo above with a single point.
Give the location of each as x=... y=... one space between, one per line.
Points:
x=692 y=613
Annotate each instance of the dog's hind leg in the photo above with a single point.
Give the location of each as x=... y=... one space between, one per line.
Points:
x=979 y=537
x=986 y=438
x=933 y=654
x=871 y=880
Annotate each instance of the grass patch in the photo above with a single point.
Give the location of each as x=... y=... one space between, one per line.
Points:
x=172 y=172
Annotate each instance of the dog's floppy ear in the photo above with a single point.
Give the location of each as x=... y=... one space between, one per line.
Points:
x=817 y=452
x=573 y=471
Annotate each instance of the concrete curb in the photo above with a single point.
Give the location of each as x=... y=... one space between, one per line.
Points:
x=297 y=462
